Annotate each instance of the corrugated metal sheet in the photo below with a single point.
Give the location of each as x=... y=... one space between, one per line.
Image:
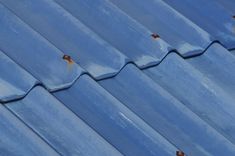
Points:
x=211 y=16
x=113 y=77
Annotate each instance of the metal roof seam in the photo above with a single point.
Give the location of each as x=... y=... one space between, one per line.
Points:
x=150 y=33
x=150 y=65
x=186 y=99
x=22 y=121
x=87 y=73
x=117 y=92
x=57 y=47
x=193 y=55
x=87 y=123
x=141 y=117
x=60 y=87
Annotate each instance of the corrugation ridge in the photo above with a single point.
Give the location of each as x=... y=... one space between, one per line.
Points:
x=148 y=32
x=87 y=124
x=150 y=64
x=125 y=61
x=178 y=101
x=32 y=130
x=118 y=100
x=107 y=75
x=48 y=87
x=208 y=123
x=41 y=135
x=85 y=72
x=39 y=85
x=198 y=48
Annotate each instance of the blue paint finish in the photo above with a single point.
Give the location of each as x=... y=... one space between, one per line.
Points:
x=210 y=16
x=227 y=4
x=218 y=64
x=197 y=92
x=178 y=31
x=117 y=28
x=232 y=52
x=12 y=86
x=18 y=140
x=34 y=53
x=166 y=114
x=111 y=119
x=70 y=35
x=58 y=126
x=186 y=104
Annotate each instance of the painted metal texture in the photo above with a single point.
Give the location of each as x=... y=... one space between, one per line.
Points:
x=70 y=36
x=173 y=27
x=34 y=53
x=12 y=86
x=113 y=77
x=124 y=33
x=214 y=16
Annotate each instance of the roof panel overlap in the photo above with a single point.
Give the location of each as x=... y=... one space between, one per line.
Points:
x=181 y=33
x=195 y=90
x=111 y=77
x=165 y=113
x=34 y=53
x=17 y=139
x=62 y=129
x=112 y=120
x=117 y=28
x=69 y=35
x=218 y=64
x=12 y=86
x=210 y=16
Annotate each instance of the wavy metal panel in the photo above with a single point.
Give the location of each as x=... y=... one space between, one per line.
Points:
x=113 y=121
x=165 y=113
x=58 y=126
x=197 y=91
x=117 y=28
x=178 y=31
x=218 y=64
x=34 y=53
x=69 y=35
x=210 y=16
x=156 y=104
x=18 y=140
x=12 y=86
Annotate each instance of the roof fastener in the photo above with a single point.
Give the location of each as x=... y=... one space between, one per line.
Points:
x=68 y=58
x=155 y=36
x=234 y=16
x=179 y=153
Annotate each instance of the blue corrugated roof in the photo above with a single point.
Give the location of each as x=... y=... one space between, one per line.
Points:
x=113 y=77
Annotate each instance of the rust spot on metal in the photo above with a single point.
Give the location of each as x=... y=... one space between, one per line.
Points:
x=68 y=59
x=155 y=36
x=179 y=153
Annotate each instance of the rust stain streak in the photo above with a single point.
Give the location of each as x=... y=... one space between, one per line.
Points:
x=179 y=153
x=155 y=36
x=68 y=59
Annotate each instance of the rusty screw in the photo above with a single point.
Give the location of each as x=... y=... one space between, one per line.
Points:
x=68 y=58
x=155 y=36
x=179 y=153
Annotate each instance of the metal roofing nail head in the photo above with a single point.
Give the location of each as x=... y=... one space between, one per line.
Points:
x=179 y=153
x=155 y=36
x=68 y=59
